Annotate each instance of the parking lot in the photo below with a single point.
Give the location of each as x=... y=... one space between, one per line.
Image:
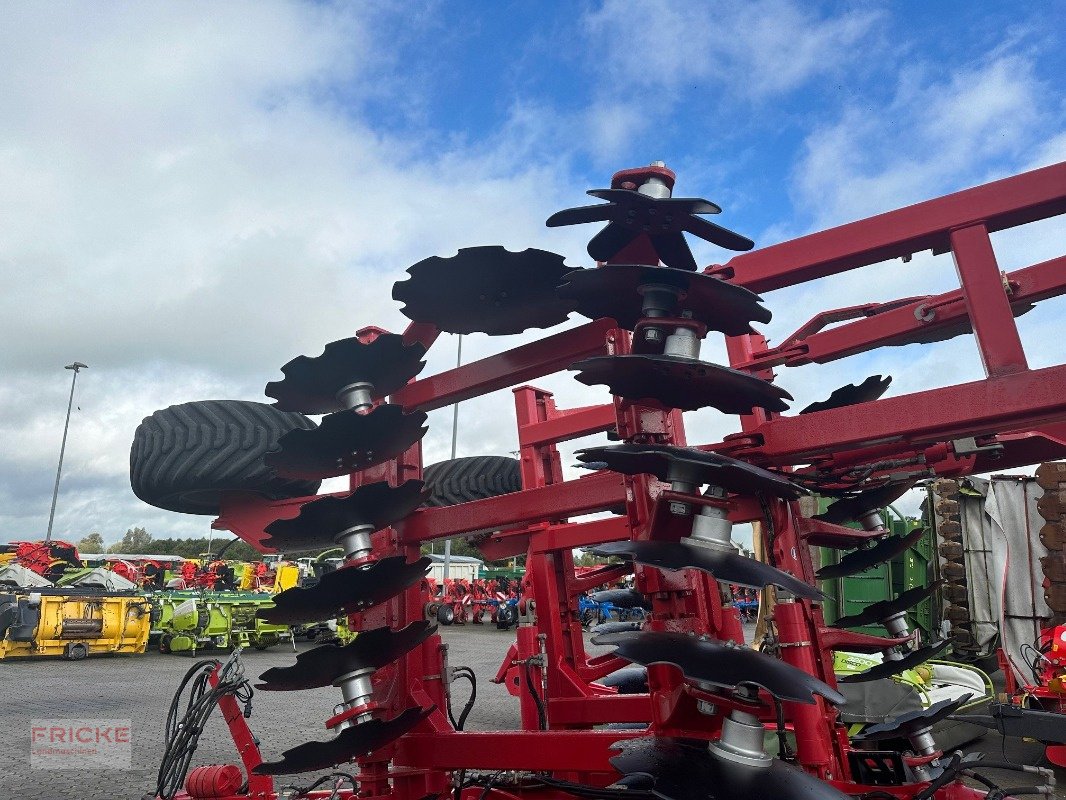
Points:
x=139 y=689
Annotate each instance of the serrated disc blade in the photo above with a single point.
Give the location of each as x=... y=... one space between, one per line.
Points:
x=673 y=250
x=852 y=508
x=1011 y=720
x=693 y=466
x=861 y=560
x=344 y=591
x=953 y=571
x=913 y=721
x=311 y=384
x=323 y=665
x=686 y=769
x=852 y=394
x=623 y=598
x=358 y=740
x=613 y=290
x=320 y=521
x=724 y=566
x=628 y=680
x=714 y=662
x=347 y=442
x=889 y=667
x=601 y=212
x=610 y=241
x=681 y=383
x=486 y=290
x=883 y=609
x=615 y=627
x=716 y=234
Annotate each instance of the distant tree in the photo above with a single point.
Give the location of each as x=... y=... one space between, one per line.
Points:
x=136 y=540
x=93 y=543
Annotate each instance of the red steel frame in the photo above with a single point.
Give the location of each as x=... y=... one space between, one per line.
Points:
x=1013 y=417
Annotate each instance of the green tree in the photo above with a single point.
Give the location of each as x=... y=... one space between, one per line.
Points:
x=136 y=540
x=93 y=543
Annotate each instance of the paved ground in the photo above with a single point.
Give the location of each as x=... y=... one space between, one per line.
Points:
x=139 y=689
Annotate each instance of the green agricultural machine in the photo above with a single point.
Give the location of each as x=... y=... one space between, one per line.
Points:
x=187 y=621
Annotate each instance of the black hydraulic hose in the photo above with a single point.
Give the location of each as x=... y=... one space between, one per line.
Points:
x=542 y=714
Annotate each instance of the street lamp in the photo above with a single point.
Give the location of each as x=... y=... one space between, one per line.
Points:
x=77 y=365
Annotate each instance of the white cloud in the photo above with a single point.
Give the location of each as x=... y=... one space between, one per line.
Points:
x=749 y=49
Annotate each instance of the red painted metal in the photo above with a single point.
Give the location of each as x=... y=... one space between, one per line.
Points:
x=1013 y=414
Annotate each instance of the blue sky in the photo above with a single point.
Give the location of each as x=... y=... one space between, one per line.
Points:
x=193 y=194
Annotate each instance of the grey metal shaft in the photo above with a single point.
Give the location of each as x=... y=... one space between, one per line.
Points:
x=455 y=440
x=76 y=366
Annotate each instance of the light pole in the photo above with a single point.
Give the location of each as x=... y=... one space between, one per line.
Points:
x=77 y=365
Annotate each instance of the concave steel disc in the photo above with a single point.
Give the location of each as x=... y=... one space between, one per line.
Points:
x=684 y=383
x=323 y=665
x=687 y=769
x=852 y=508
x=956 y=593
x=693 y=466
x=883 y=609
x=890 y=667
x=486 y=290
x=615 y=626
x=714 y=662
x=347 y=442
x=358 y=740
x=913 y=721
x=311 y=384
x=319 y=521
x=628 y=680
x=630 y=214
x=852 y=394
x=953 y=571
x=1011 y=720
x=724 y=566
x=861 y=560
x=614 y=290
x=623 y=598
x=345 y=590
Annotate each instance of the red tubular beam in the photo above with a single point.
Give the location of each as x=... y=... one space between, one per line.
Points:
x=904 y=323
x=525 y=363
x=600 y=710
x=572 y=498
x=570 y=424
x=986 y=301
x=1022 y=401
x=924 y=226
x=577 y=751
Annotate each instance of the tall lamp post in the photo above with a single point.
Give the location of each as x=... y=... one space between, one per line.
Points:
x=77 y=365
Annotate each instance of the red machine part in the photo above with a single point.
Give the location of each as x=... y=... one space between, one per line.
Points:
x=214 y=781
x=1011 y=414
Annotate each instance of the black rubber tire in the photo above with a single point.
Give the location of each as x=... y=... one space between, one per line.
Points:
x=76 y=651
x=183 y=457
x=164 y=643
x=505 y=617
x=445 y=614
x=473 y=478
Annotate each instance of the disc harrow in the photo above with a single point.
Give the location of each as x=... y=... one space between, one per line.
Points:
x=699 y=703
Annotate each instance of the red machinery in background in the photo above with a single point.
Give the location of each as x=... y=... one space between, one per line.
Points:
x=710 y=701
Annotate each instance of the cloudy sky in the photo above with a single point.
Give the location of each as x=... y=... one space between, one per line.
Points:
x=192 y=194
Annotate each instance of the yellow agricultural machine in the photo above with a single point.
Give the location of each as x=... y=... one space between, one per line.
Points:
x=73 y=622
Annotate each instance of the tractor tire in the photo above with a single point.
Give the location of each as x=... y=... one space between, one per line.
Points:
x=445 y=614
x=505 y=617
x=164 y=643
x=474 y=478
x=185 y=456
x=76 y=651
